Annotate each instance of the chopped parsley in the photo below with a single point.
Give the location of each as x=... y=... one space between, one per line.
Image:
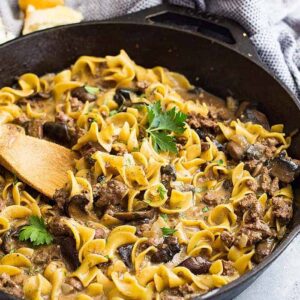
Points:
x=162 y=192
x=166 y=231
x=165 y=217
x=205 y=209
x=113 y=112
x=91 y=89
x=36 y=232
x=162 y=124
x=220 y=162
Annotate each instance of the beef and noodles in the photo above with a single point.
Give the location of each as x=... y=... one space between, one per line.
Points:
x=175 y=192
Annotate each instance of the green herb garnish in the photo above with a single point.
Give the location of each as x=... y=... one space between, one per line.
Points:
x=36 y=232
x=166 y=231
x=205 y=209
x=91 y=89
x=162 y=124
x=220 y=162
x=162 y=192
x=165 y=217
x=107 y=257
x=113 y=112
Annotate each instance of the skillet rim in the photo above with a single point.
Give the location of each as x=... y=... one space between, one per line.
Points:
x=257 y=270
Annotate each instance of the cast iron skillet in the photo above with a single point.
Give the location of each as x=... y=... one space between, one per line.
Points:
x=212 y=52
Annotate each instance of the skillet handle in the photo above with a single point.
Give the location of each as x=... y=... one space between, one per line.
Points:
x=225 y=31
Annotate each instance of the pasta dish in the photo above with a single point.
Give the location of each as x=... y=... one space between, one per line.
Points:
x=174 y=191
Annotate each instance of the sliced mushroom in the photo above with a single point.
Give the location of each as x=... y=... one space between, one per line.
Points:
x=128 y=216
x=246 y=113
x=125 y=254
x=111 y=192
x=168 y=170
x=9 y=241
x=255 y=151
x=69 y=251
x=197 y=265
x=263 y=249
x=83 y=95
x=237 y=147
x=57 y=132
x=285 y=168
x=39 y=96
x=166 y=251
x=78 y=208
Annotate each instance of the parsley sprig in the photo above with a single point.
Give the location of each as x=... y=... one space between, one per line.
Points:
x=162 y=124
x=36 y=232
x=162 y=191
x=166 y=231
x=91 y=89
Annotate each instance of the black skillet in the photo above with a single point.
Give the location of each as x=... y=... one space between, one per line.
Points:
x=213 y=53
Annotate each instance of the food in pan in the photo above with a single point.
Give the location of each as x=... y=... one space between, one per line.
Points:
x=175 y=192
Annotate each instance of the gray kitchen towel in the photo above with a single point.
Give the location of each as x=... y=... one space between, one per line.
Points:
x=272 y=25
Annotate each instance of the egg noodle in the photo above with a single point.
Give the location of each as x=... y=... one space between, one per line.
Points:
x=152 y=212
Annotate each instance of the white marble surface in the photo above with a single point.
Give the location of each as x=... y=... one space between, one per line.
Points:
x=281 y=281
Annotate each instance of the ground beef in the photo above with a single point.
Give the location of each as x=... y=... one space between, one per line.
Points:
x=227 y=238
x=270 y=146
x=204 y=126
x=251 y=205
x=61 y=197
x=228 y=268
x=88 y=150
x=197 y=121
x=45 y=254
x=252 y=185
x=75 y=133
x=251 y=165
x=274 y=187
x=211 y=198
x=76 y=104
x=109 y=193
x=64 y=118
x=215 y=197
x=267 y=184
x=282 y=209
x=250 y=234
x=255 y=151
x=265 y=180
x=8 y=286
x=168 y=174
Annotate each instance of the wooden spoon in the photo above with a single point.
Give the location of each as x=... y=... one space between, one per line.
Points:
x=41 y=164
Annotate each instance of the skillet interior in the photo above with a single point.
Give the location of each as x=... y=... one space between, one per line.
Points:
x=206 y=63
